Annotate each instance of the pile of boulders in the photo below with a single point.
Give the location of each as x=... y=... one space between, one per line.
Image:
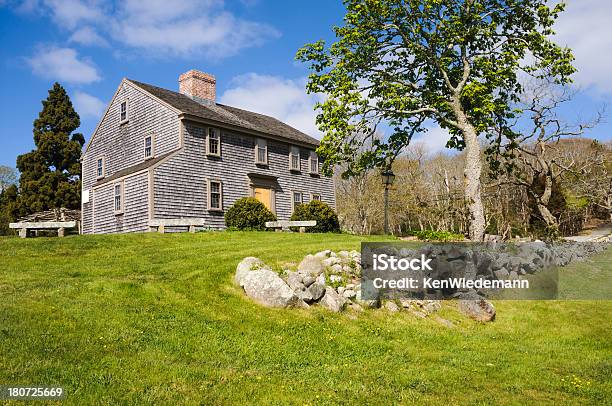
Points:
x=333 y=280
x=327 y=279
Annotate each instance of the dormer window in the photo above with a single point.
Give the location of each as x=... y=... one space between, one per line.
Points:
x=148 y=147
x=214 y=142
x=261 y=151
x=314 y=162
x=100 y=168
x=123 y=112
x=294 y=159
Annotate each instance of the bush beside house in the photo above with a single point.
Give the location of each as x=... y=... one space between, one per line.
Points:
x=325 y=216
x=248 y=213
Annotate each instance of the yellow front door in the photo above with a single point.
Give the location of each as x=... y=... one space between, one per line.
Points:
x=264 y=195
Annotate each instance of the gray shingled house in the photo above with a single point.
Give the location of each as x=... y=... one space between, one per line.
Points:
x=157 y=155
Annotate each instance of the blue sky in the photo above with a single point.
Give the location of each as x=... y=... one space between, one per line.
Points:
x=249 y=45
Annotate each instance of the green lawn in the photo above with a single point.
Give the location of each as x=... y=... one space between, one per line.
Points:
x=155 y=319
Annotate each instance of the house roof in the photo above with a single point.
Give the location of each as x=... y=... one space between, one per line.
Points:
x=132 y=169
x=228 y=115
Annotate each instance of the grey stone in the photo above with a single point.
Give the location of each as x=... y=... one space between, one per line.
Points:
x=478 y=309
x=322 y=254
x=267 y=288
x=340 y=289
x=305 y=294
x=349 y=293
x=501 y=273
x=246 y=265
x=332 y=300
x=308 y=280
x=320 y=279
x=392 y=307
x=310 y=266
x=431 y=306
x=294 y=280
x=337 y=268
x=317 y=291
x=331 y=261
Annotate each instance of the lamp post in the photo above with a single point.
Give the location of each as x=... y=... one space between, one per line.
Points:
x=388 y=177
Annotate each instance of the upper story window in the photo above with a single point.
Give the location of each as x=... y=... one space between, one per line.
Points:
x=314 y=162
x=123 y=112
x=297 y=199
x=118 y=198
x=215 y=195
x=315 y=196
x=214 y=142
x=100 y=168
x=294 y=159
x=261 y=151
x=148 y=147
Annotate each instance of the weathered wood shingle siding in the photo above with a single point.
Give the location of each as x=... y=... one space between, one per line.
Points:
x=180 y=183
x=135 y=215
x=122 y=146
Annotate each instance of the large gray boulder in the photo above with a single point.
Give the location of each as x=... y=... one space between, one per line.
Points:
x=267 y=288
x=332 y=300
x=317 y=290
x=245 y=266
x=310 y=266
x=477 y=308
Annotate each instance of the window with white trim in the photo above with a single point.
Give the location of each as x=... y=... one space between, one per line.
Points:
x=100 y=168
x=148 y=147
x=214 y=142
x=294 y=159
x=314 y=162
x=297 y=199
x=261 y=151
x=123 y=112
x=315 y=196
x=118 y=197
x=215 y=195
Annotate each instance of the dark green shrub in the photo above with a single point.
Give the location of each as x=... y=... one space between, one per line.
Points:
x=248 y=213
x=327 y=219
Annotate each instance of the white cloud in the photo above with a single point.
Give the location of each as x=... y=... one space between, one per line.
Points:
x=88 y=36
x=284 y=99
x=434 y=139
x=70 y=13
x=62 y=64
x=585 y=27
x=87 y=105
x=157 y=27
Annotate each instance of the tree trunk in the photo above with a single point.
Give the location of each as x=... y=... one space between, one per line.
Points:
x=471 y=176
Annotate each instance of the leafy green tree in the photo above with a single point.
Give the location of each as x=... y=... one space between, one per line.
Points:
x=404 y=63
x=50 y=174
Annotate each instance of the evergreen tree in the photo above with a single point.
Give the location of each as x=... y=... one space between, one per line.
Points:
x=51 y=173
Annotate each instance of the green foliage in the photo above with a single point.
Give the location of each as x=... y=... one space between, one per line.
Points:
x=248 y=213
x=403 y=63
x=50 y=174
x=326 y=217
x=431 y=235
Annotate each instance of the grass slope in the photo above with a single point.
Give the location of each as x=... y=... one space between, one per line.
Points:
x=155 y=319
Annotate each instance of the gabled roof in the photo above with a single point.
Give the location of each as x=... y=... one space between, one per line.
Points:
x=228 y=115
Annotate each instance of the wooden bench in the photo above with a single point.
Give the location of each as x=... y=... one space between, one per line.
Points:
x=25 y=226
x=160 y=225
x=284 y=225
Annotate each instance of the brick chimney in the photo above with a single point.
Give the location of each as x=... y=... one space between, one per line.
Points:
x=200 y=86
